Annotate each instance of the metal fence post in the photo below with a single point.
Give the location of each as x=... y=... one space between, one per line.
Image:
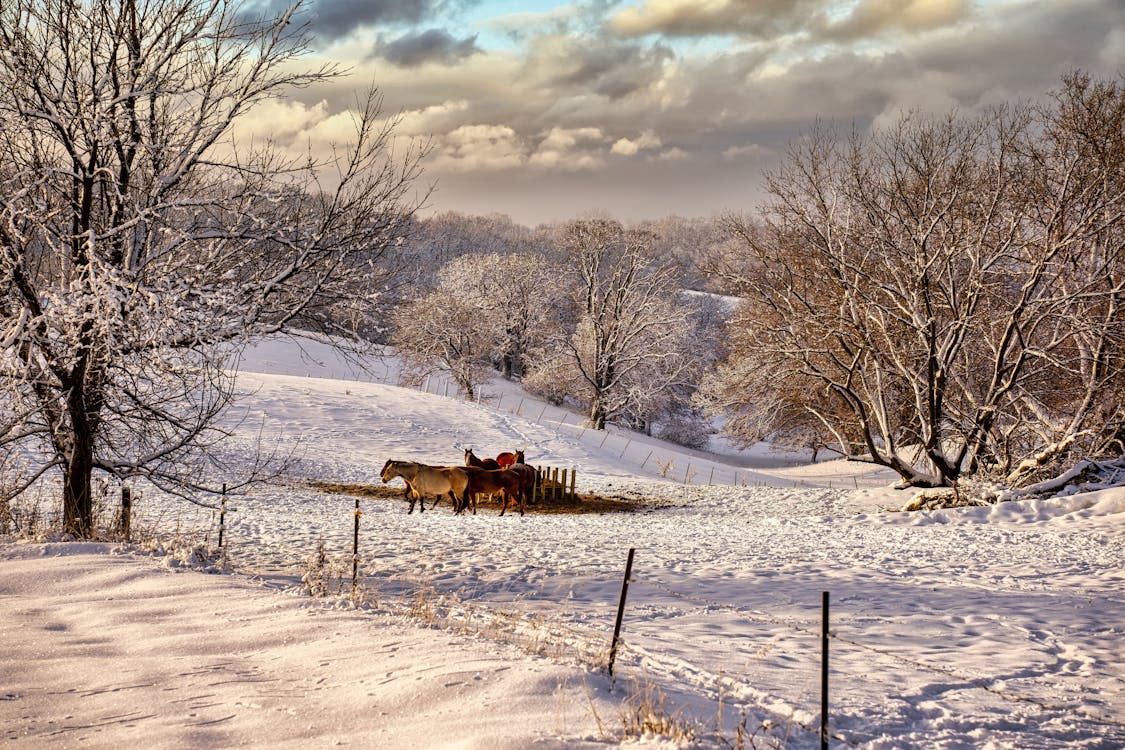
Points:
x=824 y=671
x=620 y=611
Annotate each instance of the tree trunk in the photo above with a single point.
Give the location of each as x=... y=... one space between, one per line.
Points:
x=78 y=507
x=597 y=415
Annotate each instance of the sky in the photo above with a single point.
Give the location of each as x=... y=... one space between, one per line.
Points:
x=548 y=110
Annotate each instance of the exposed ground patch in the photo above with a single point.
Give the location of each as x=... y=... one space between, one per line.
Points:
x=586 y=503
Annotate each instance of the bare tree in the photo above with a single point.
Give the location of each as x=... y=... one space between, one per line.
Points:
x=140 y=245
x=929 y=293
x=1074 y=402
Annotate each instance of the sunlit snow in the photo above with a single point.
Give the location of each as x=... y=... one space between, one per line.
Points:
x=988 y=627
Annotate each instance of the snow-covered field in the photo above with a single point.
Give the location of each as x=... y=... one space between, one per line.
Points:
x=974 y=628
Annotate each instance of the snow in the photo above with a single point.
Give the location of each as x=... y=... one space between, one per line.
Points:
x=982 y=627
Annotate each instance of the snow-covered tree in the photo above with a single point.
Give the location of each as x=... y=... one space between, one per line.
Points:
x=141 y=244
x=485 y=313
x=632 y=328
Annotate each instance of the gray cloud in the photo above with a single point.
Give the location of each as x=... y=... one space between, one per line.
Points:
x=612 y=69
x=334 y=19
x=432 y=45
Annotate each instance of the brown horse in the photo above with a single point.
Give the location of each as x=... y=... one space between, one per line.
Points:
x=527 y=475
x=491 y=481
x=481 y=463
x=507 y=459
x=422 y=480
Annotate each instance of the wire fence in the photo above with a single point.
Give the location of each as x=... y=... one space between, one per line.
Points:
x=553 y=627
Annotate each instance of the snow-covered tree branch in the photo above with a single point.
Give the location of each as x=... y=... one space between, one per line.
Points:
x=141 y=244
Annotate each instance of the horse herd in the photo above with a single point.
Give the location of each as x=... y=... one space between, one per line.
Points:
x=506 y=475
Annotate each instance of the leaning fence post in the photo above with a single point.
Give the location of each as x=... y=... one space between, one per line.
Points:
x=126 y=511
x=355 y=547
x=620 y=611
x=824 y=671
x=222 y=514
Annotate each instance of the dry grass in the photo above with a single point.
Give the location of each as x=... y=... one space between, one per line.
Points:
x=584 y=504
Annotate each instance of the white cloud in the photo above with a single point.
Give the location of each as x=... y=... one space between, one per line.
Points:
x=437 y=118
x=629 y=147
x=570 y=149
x=479 y=147
x=280 y=120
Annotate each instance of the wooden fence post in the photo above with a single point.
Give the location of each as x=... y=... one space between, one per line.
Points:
x=620 y=611
x=222 y=514
x=126 y=512
x=573 y=494
x=355 y=547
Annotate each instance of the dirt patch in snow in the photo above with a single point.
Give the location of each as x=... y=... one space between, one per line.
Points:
x=586 y=503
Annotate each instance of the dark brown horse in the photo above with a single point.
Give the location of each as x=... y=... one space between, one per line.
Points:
x=527 y=475
x=481 y=463
x=492 y=481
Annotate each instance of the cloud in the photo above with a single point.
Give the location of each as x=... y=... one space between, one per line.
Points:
x=759 y=18
x=603 y=66
x=813 y=20
x=279 y=120
x=330 y=20
x=432 y=45
x=570 y=149
x=437 y=118
x=628 y=147
x=871 y=17
x=582 y=112
x=746 y=152
x=480 y=148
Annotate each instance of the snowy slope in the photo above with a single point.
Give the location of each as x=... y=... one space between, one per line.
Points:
x=976 y=628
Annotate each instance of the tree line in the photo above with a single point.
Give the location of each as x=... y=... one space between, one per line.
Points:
x=943 y=296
